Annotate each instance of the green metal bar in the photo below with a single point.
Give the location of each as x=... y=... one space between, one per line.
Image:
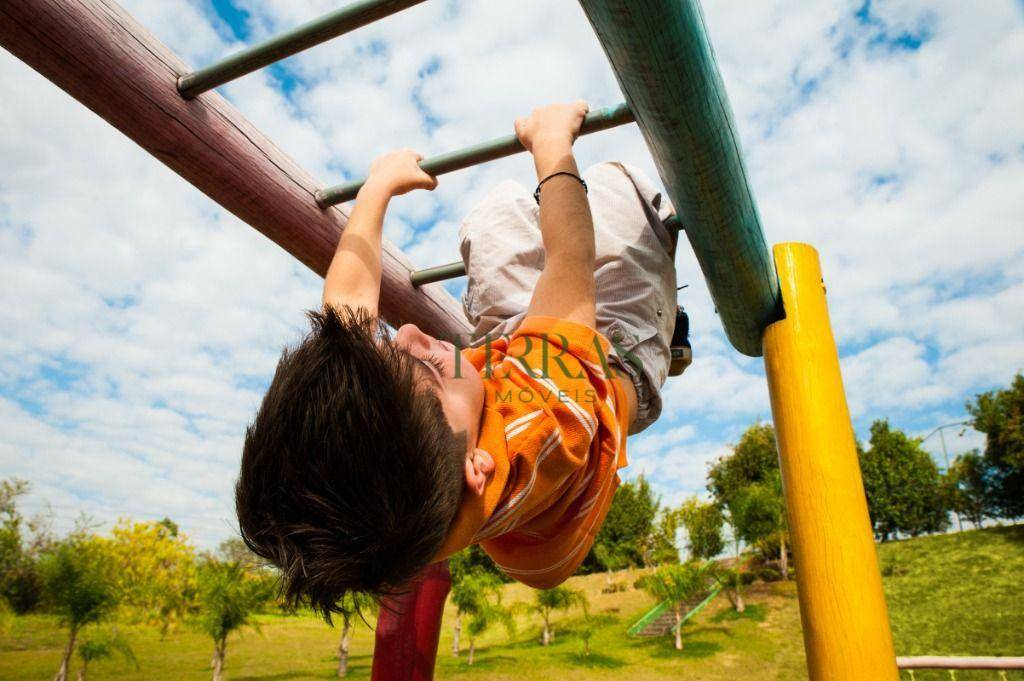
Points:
x=291 y=42
x=439 y=273
x=665 y=66
x=602 y=119
x=458 y=268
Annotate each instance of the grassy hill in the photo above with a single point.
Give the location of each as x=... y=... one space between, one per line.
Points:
x=951 y=594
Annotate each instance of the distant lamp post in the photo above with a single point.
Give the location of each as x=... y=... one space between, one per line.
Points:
x=945 y=453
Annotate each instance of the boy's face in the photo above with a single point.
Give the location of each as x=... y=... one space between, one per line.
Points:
x=460 y=390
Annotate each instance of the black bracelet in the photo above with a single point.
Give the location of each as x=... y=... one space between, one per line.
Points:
x=536 y=192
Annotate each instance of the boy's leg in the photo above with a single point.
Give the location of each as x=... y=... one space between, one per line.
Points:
x=501 y=245
x=635 y=276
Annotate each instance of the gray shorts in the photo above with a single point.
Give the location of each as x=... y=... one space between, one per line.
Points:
x=635 y=274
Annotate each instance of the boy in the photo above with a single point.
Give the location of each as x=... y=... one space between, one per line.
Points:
x=371 y=457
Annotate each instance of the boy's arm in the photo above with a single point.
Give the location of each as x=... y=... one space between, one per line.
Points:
x=353 y=278
x=565 y=288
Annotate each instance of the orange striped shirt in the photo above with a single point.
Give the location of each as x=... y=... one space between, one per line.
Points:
x=555 y=423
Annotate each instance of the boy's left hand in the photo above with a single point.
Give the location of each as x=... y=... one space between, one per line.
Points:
x=398 y=172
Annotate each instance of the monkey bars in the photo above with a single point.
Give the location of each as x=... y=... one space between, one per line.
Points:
x=307 y=35
x=666 y=67
x=595 y=121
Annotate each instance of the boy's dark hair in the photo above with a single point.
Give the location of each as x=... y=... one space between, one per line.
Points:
x=350 y=474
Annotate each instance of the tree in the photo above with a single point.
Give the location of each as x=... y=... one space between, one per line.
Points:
x=678 y=584
x=971 y=488
x=234 y=550
x=20 y=582
x=157 y=571
x=703 y=522
x=101 y=645
x=77 y=577
x=228 y=599
x=747 y=487
x=731 y=579
x=759 y=514
x=1000 y=415
x=352 y=605
x=753 y=459
x=612 y=557
x=628 y=526
x=664 y=549
x=547 y=601
x=479 y=599
x=902 y=484
x=470 y=592
x=586 y=630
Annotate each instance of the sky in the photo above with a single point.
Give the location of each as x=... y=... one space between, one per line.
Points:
x=140 y=322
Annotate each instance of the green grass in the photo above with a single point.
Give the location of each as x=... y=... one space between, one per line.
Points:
x=954 y=594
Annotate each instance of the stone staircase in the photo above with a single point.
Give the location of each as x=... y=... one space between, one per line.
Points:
x=660 y=625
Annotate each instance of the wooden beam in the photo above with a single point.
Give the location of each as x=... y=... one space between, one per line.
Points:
x=102 y=57
x=940 y=662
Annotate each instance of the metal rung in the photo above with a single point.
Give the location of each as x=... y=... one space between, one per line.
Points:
x=602 y=119
x=291 y=42
x=439 y=273
x=458 y=268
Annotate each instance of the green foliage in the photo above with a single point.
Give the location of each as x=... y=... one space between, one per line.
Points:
x=663 y=542
x=754 y=459
x=103 y=644
x=902 y=483
x=1000 y=415
x=229 y=599
x=957 y=593
x=679 y=583
x=732 y=579
x=546 y=601
x=626 y=537
x=703 y=522
x=747 y=487
x=355 y=604
x=20 y=583
x=477 y=597
x=759 y=511
x=78 y=578
x=971 y=488
x=473 y=559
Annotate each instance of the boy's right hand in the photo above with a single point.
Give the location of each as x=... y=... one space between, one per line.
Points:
x=398 y=172
x=557 y=124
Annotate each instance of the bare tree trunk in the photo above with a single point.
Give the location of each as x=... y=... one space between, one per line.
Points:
x=586 y=647
x=346 y=637
x=62 y=673
x=472 y=649
x=545 y=636
x=455 y=634
x=218 y=659
x=679 y=629
x=783 y=555
x=739 y=604
x=81 y=671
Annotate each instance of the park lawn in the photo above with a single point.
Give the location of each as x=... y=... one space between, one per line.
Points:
x=950 y=594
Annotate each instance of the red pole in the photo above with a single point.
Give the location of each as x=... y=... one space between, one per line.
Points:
x=409 y=627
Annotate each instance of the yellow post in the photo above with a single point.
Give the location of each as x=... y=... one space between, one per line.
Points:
x=845 y=622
